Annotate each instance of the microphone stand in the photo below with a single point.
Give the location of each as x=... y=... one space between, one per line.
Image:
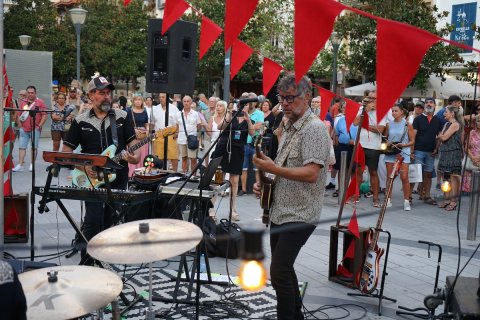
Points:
x=172 y=199
x=33 y=115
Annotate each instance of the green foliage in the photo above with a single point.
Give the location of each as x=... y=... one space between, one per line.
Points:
x=113 y=39
x=266 y=24
x=361 y=34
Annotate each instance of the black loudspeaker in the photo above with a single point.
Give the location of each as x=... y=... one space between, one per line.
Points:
x=171 y=58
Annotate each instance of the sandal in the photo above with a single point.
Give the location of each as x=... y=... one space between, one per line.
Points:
x=430 y=200
x=451 y=206
x=376 y=203
x=444 y=204
x=369 y=194
x=335 y=194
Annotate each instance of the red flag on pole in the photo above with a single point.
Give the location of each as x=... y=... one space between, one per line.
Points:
x=353 y=225
x=353 y=190
x=240 y=54
x=237 y=14
x=350 y=254
x=360 y=156
x=271 y=71
x=208 y=35
x=174 y=9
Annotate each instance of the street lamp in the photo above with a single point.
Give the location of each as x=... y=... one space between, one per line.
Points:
x=25 y=41
x=78 y=16
x=335 y=40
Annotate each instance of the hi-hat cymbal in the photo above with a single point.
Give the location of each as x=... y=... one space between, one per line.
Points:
x=72 y=292
x=126 y=244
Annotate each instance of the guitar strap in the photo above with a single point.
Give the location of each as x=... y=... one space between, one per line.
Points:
x=113 y=126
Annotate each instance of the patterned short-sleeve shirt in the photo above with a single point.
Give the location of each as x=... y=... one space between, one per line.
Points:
x=296 y=201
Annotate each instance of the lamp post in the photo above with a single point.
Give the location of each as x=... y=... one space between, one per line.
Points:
x=335 y=40
x=25 y=41
x=78 y=16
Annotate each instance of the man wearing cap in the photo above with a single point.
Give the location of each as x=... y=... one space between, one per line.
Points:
x=426 y=127
x=454 y=101
x=92 y=131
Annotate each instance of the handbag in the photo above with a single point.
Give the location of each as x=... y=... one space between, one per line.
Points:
x=415 y=173
x=192 y=140
x=469 y=164
x=140 y=133
x=391 y=148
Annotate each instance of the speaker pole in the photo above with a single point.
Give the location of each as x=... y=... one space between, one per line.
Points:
x=226 y=76
x=165 y=139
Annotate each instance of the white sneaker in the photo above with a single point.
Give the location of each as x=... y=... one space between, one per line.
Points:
x=406 y=205
x=30 y=168
x=18 y=168
x=389 y=203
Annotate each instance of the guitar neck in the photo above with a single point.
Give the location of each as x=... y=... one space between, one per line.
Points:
x=131 y=149
x=388 y=193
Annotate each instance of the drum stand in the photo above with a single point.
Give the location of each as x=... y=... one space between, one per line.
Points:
x=429 y=313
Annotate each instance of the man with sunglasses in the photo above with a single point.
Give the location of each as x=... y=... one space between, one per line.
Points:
x=300 y=169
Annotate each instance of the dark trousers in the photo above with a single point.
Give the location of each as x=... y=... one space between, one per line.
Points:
x=285 y=247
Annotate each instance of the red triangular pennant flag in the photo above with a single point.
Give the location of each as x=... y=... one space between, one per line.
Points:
x=353 y=190
x=208 y=35
x=360 y=156
x=350 y=254
x=351 y=112
x=237 y=14
x=396 y=66
x=174 y=9
x=327 y=97
x=7 y=188
x=240 y=54
x=353 y=225
x=342 y=271
x=271 y=71
x=313 y=23
x=126 y=3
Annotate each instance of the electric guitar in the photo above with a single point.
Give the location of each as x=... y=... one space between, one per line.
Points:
x=371 y=267
x=81 y=179
x=266 y=185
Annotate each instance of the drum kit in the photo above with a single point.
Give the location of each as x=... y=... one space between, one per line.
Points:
x=67 y=292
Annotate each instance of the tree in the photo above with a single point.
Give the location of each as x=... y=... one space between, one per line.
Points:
x=266 y=25
x=38 y=19
x=360 y=33
x=113 y=39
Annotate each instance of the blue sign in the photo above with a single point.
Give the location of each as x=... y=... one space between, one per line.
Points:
x=463 y=18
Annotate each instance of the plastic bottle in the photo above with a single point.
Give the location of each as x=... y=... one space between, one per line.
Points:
x=203 y=264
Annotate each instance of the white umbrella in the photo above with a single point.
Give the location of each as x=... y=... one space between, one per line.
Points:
x=435 y=88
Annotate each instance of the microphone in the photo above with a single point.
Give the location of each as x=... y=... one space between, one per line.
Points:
x=259 y=99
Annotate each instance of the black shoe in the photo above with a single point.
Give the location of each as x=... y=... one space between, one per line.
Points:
x=240 y=193
x=330 y=186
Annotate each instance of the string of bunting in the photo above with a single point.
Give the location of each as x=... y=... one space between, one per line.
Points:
x=395 y=68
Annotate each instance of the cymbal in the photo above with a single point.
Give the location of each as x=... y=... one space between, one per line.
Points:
x=126 y=244
x=76 y=291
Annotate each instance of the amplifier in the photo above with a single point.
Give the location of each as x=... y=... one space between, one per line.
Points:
x=24 y=265
x=464 y=301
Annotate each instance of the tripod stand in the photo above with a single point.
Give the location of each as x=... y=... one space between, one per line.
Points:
x=33 y=116
x=429 y=313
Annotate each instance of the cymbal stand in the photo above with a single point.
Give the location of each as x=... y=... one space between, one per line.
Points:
x=429 y=313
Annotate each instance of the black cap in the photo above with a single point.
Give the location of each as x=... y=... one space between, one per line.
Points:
x=99 y=83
